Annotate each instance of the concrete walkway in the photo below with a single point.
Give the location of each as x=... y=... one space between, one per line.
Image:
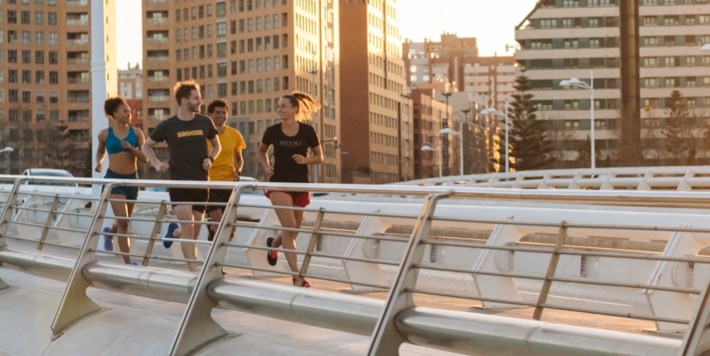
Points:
x=130 y=325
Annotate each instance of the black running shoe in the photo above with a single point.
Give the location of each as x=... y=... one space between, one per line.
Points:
x=271 y=255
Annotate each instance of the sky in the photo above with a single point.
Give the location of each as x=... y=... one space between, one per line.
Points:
x=492 y=22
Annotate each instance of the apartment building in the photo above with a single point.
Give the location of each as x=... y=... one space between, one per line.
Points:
x=45 y=81
x=248 y=53
x=567 y=39
x=130 y=82
x=472 y=83
x=376 y=119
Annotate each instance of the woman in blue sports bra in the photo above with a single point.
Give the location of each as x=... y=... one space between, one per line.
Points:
x=122 y=142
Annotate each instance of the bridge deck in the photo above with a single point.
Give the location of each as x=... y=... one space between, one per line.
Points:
x=458 y=269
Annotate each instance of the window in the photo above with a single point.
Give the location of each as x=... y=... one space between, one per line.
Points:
x=27 y=77
x=53 y=38
x=52 y=18
x=26 y=57
x=53 y=57
x=39 y=57
x=39 y=77
x=25 y=17
x=39 y=37
x=39 y=18
x=53 y=77
x=12 y=56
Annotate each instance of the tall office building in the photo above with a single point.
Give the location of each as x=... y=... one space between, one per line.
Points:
x=45 y=81
x=249 y=53
x=476 y=82
x=561 y=40
x=376 y=122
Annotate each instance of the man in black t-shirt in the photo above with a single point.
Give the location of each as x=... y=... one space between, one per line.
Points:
x=186 y=134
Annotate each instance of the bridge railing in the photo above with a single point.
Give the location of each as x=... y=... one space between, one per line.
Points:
x=427 y=256
x=615 y=178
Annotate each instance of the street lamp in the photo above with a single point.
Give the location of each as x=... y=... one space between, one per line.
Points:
x=576 y=83
x=447 y=131
x=444 y=125
x=428 y=148
x=498 y=113
x=465 y=113
x=314 y=72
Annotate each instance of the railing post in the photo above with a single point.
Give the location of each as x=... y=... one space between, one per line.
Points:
x=551 y=268
x=162 y=211
x=315 y=235
x=386 y=340
x=48 y=223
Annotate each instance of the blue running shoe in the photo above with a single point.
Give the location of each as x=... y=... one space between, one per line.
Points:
x=131 y=263
x=108 y=240
x=171 y=229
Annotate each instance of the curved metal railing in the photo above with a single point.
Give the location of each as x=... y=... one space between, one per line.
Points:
x=429 y=253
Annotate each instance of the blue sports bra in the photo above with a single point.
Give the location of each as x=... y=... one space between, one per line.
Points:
x=113 y=143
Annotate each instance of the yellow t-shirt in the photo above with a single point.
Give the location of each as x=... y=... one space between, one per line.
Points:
x=223 y=167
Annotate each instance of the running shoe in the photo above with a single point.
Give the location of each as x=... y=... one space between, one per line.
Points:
x=171 y=229
x=271 y=255
x=305 y=282
x=108 y=240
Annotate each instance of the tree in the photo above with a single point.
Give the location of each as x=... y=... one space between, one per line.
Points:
x=530 y=146
x=680 y=142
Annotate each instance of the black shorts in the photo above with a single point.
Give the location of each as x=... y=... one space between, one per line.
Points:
x=198 y=196
x=220 y=196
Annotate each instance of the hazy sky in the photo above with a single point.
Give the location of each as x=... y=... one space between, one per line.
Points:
x=492 y=22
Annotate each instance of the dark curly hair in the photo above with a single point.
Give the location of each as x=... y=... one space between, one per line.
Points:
x=112 y=104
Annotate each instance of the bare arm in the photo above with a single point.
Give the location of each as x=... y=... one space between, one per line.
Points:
x=238 y=164
x=316 y=157
x=152 y=159
x=263 y=158
x=216 y=148
x=136 y=151
x=101 y=151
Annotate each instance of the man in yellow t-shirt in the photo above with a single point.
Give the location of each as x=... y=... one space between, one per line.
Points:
x=227 y=166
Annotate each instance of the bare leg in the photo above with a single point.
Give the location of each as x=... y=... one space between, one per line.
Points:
x=290 y=219
x=122 y=211
x=187 y=218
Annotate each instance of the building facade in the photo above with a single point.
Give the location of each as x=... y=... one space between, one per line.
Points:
x=248 y=53
x=376 y=126
x=468 y=83
x=561 y=40
x=130 y=82
x=45 y=81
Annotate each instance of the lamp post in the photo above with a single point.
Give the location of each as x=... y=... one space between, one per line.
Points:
x=428 y=148
x=315 y=119
x=498 y=113
x=447 y=131
x=576 y=83
x=465 y=113
x=444 y=125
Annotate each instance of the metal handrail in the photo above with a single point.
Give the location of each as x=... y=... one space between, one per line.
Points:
x=200 y=291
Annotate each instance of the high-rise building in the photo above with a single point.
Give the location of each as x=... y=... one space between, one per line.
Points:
x=45 y=81
x=472 y=83
x=562 y=40
x=248 y=53
x=130 y=82
x=375 y=114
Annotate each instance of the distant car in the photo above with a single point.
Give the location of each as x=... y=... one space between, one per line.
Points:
x=246 y=179
x=48 y=172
